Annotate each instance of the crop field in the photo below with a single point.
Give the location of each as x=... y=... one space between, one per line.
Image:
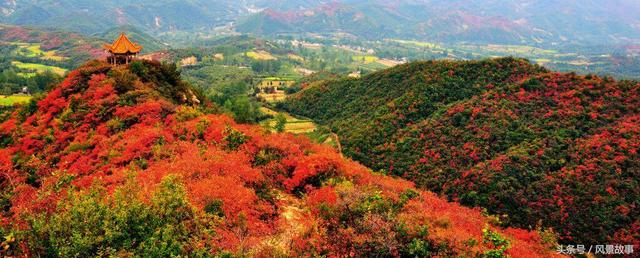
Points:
x=34 y=50
x=40 y=68
x=13 y=99
x=293 y=125
x=272 y=97
x=295 y=57
x=517 y=50
x=260 y=55
x=418 y=43
x=365 y=59
x=388 y=62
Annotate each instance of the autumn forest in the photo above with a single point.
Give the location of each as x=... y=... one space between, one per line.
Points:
x=347 y=128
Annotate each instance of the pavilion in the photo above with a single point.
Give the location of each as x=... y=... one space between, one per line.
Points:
x=122 y=51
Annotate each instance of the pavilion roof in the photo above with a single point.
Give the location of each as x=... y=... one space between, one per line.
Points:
x=123 y=45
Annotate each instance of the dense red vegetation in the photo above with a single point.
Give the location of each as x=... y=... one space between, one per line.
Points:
x=533 y=146
x=118 y=161
x=566 y=149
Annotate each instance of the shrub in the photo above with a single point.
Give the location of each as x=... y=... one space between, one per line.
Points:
x=92 y=223
x=233 y=138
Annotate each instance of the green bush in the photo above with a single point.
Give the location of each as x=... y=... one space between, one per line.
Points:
x=234 y=138
x=95 y=224
x=499 y=243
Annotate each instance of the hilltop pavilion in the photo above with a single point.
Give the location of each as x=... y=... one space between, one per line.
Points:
x=122 y=51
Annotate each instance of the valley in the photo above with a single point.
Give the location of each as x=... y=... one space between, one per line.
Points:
x=306 y=128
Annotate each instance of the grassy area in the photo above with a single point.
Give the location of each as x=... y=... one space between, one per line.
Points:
x=388 y=63
x=295 y=57
x=40 y=68
x=366 y=59
x=374 y=66
x=27 y=75
x=13 y=99
x=35 y=50
x=517 y=50
x=418 y=43
x=293 y=125
x=260 y=55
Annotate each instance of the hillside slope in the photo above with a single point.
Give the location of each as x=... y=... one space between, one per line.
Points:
x=77 y=48
x=122 y=161
x=94 y=16
x=528 y=144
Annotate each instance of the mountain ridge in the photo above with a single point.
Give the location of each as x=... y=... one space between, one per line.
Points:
x=128 y=156
x=528 y=22
x=500 y=134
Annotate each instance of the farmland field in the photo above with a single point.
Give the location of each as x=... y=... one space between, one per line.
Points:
x=293 y=125
x=260 y=55
x=365 y=59
x=272 y=97
x=40 y=68
x=295 y=57
x=34 y=50
x=418 y=43
x=13 y=99
x=518 y=49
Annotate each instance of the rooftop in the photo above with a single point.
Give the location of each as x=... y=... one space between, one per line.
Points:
x=123 y=45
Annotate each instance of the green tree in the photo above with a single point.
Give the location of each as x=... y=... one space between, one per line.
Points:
x=281 y=122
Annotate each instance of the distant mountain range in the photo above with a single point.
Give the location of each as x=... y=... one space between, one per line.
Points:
x=480 y=21
x=92 y=16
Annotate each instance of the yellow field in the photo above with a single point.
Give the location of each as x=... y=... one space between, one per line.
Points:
x=295 y=57
x=13 y=99
x=260 y=55
x=40 y=68
x=34 y=50
x=365 y=59
x=273 y=97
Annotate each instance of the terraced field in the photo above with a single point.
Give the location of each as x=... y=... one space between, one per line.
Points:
x=40 y=68
x=35 y=50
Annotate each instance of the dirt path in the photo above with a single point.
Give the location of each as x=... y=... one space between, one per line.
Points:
x=291 y=226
